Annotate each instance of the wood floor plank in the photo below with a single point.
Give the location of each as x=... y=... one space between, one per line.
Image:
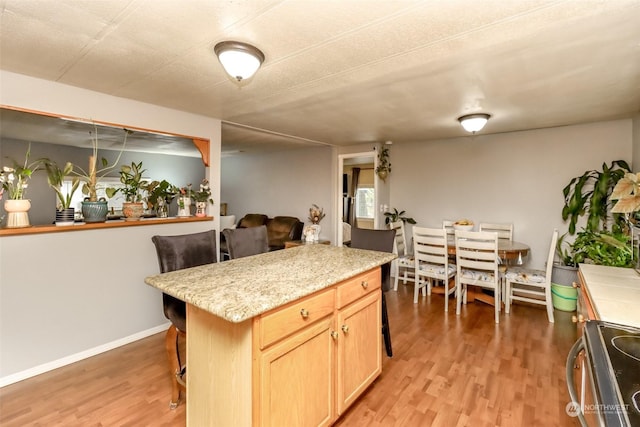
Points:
x=447 y=370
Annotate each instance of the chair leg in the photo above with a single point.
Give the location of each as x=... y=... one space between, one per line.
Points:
x=416 y=290
x=547 y=295
x=507 y=297
x=396 y=272
x=385 y=327
x=173 y=356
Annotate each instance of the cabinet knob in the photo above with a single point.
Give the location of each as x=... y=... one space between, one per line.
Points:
x=364 y=284
x=334 y=335
x=575 y=285
x=345 y=328
x=578 y=319
x=304 y=313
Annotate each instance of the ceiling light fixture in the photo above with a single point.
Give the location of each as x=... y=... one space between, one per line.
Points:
x=239 y=60
x=474 y=122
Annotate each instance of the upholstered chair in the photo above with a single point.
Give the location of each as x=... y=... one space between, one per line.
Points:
x=175 y=253
x=242 y=242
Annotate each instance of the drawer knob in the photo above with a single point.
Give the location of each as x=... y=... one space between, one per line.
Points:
x=345 y=328
x=575 y=285
x=577 y=319
x=364 y=284
x=304 y=313
x=334 y=335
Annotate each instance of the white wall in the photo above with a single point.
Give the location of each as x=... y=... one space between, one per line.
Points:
x=513 y=177
x=49 y=312
x=282 y=183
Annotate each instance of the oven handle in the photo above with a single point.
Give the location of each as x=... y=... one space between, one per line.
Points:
x=573 y=395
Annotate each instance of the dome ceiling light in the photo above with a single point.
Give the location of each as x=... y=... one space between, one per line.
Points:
x=474 y=122
x=240 y=60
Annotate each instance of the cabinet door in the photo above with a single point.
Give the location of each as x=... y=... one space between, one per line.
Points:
x=359 y=348
x=297 y=379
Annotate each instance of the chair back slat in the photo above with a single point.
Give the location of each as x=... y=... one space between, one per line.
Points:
x=504 y=231
x=400 y=245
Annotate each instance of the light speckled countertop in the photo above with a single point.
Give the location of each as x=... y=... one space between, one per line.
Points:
x=243 y=288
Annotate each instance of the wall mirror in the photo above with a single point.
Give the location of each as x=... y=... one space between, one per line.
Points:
x=180 y=159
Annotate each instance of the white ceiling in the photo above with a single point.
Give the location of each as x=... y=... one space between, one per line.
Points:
x=343 y=72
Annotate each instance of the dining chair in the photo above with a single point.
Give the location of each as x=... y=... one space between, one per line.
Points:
x=505 y=231
x=403 y=265
x=477 y=265
x=175 y=253
x=529 y=285
x=243 y=242
x=447 y=225
x=382 y=241
x=430 y=250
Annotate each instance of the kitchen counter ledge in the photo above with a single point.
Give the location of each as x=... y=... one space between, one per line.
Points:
x=243 y=288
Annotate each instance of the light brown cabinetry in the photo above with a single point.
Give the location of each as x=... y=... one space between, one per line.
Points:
x=314 y=357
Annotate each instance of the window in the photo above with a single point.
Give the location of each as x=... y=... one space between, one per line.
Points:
x=364 y=202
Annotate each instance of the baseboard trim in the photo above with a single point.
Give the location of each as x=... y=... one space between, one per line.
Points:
x=67 y=360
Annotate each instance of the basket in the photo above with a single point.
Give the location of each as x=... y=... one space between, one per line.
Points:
x=564 y=298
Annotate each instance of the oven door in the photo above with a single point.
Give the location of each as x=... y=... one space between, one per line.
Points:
x=581 y=387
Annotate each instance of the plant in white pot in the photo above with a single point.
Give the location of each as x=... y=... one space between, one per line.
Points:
x=202 y=197
x=134 y=189
x=15 y=180
x=65 y=213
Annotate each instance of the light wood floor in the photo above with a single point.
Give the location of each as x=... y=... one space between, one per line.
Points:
x=446 y=371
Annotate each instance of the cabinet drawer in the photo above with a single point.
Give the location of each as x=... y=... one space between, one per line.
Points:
x=289 y=319
x=358 y=286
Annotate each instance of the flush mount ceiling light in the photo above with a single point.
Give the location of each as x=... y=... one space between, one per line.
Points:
x=240 y=60
x=473 y=122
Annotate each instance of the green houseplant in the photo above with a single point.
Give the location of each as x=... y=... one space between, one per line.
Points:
x=159 y=196
x=65 y=213
x=202 y=197
x=384 y=165
x=393 y=216
x=14 y=181
x=94 y=210
x=134 y=188
x=604 y=237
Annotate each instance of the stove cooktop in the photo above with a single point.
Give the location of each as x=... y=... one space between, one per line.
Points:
x=622 y=355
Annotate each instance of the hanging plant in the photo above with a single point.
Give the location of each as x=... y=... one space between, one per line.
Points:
x=384 y=165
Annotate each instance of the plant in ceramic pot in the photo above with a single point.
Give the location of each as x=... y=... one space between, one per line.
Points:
x=95 y=210
x=15 y=180
x=134 y=189
x=316 y=214
x=159 y=196
x=65 y=213
x=202 y=197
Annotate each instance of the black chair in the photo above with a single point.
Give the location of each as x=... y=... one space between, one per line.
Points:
x=382 y=241
x=242 y=242
x=176 y=253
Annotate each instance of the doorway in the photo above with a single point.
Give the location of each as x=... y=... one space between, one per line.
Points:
x=350 y=213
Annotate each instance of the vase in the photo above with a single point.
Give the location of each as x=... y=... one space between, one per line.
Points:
x=65 y=217
x=383 y=174
x=316 y=231
x=17 y=213
x=94 y=211
x=162 y=208
x=201 y=209
x=184 y=206
x=132 y=211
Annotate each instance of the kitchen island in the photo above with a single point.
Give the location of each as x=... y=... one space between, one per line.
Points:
x=288 y=337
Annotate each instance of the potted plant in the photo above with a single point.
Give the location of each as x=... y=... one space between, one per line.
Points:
x=94 y=210
x=316 y=214
x=159 y=196
x=184 y=201
x=384 y=165
x=588 y=195
x=65 y=213
x=134 y=190
x=15 y=180
x=394 y=216
x=202 y=197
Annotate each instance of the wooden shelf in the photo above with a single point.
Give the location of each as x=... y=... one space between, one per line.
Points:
x=41 y=229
